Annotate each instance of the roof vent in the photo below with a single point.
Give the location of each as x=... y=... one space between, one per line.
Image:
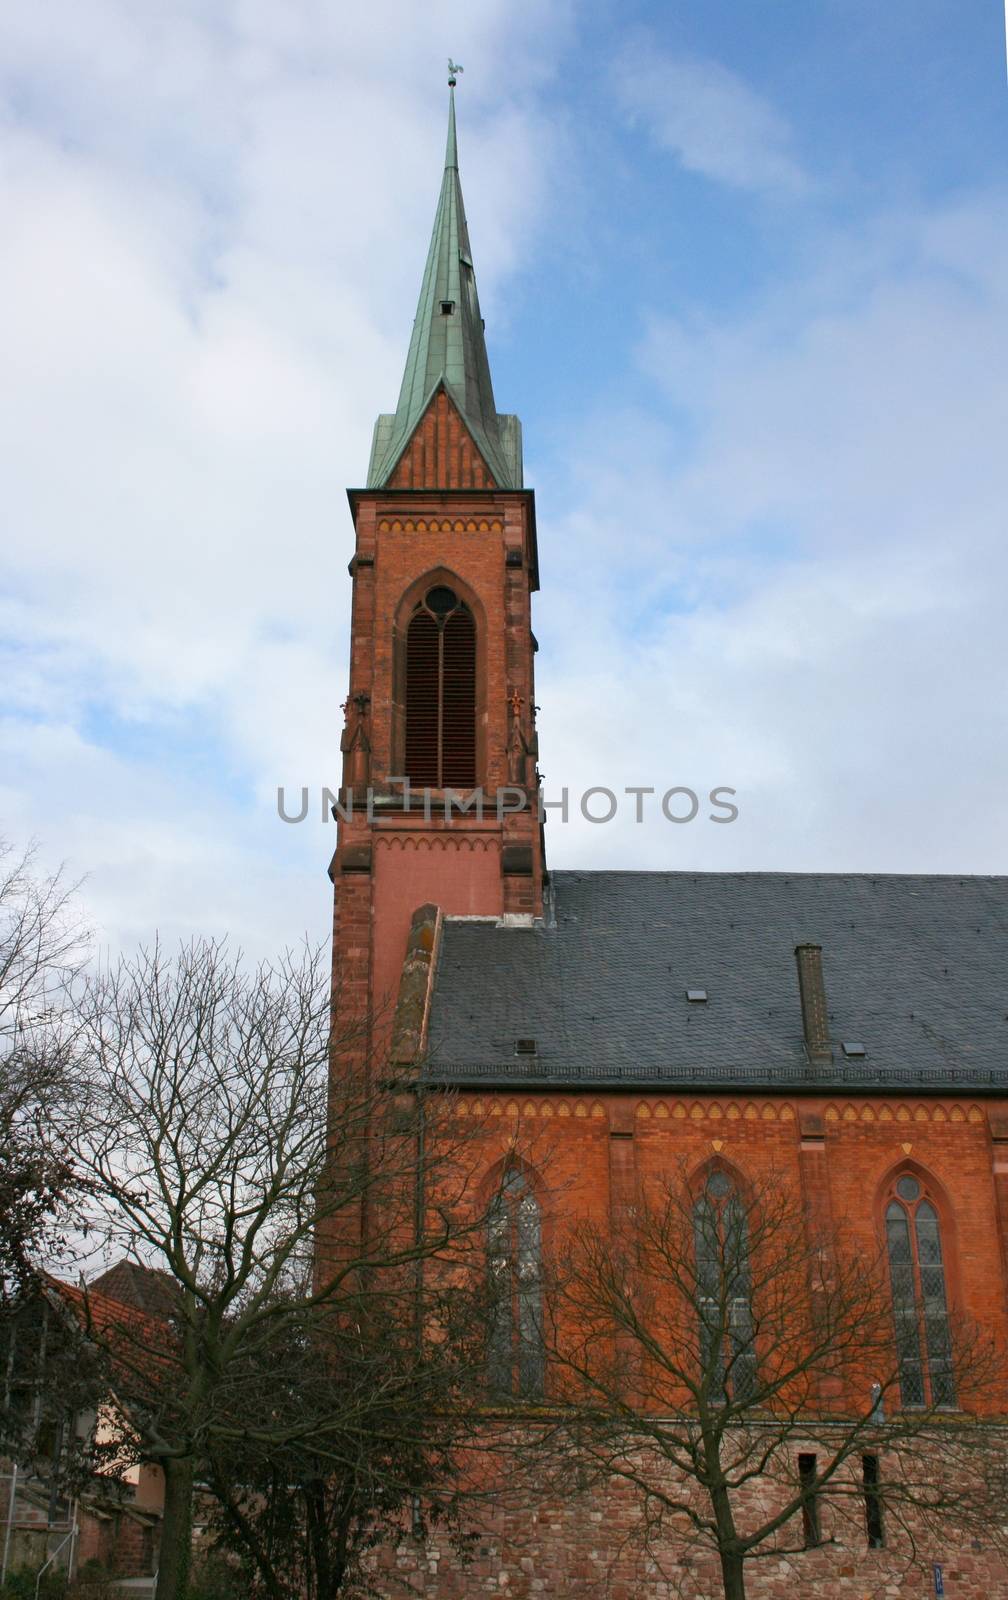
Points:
x=853 y=1047
x=447 y=307
x=525 y=1047
x=697 y=997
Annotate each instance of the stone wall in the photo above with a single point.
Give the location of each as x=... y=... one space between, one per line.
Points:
x=587 y=1545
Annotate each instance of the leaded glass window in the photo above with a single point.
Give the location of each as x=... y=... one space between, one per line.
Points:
x=920 y=1303
x=724 y=1291
x=514 y=1254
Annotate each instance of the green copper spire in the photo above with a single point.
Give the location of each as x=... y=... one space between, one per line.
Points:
x=451 y=150
x=448 y=347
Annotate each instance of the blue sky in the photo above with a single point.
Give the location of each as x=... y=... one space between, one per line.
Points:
x=744 y=275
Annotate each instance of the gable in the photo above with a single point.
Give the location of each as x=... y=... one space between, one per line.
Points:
x=441 y=453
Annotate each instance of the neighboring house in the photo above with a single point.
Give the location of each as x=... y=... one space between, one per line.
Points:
x=146 y=1288
x=49 y=1510
x=844 y=1033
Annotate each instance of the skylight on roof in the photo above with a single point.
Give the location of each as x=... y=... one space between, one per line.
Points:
x=525 y=1047
x=697 y=997
x=853 y=1047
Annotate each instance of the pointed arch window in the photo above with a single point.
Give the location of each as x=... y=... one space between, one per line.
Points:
x=514 y=1253
x=724 y=1291
x=441 y=692
x=920 y=1301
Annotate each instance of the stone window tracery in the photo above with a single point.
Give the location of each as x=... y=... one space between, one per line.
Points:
x=920 y=1300
x=514 y=1255
x=724 y=1291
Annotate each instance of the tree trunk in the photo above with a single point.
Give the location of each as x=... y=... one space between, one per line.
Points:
x=176 y=1530
x=732 y=1574
x=732 y=1560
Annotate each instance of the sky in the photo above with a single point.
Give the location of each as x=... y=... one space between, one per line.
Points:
x=744 y=271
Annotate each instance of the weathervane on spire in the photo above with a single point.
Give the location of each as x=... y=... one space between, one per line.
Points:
x=453 y=71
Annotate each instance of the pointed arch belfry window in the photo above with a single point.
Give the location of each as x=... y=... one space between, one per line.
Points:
x=514 y=1256
x=920 y=1301
x=441 y=692
x=724 y=1291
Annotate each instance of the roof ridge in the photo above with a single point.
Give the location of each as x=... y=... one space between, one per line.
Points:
x=776 y=872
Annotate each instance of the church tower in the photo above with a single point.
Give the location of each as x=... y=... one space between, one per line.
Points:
x=439 y=800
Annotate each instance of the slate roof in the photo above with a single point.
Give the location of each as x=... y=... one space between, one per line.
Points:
x=916 y=969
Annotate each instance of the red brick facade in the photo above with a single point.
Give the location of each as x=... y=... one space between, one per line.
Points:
x=841 y=1155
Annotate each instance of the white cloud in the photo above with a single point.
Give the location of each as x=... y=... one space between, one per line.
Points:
x=805 y=599
x=790 y=559
x=161 y=848
x=215 y=221
x=713 y=122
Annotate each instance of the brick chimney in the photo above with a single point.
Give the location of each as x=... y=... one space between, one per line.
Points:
x=815 y=1016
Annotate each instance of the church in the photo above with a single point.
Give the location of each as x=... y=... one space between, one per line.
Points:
x=848 y=1031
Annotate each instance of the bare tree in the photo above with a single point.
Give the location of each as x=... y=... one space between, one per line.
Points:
x=47 y=1377
x=296 y=1219
x=370 y=1422
x=743 y=1379
x=41 y=946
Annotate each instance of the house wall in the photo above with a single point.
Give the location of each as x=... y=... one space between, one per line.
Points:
x=597 y=1154
x=123 y=1544
x=591 y=1157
